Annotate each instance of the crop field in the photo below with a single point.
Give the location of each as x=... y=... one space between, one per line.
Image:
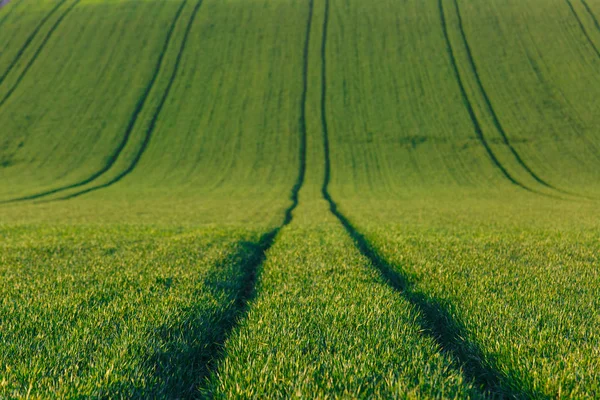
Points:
x=300 y=198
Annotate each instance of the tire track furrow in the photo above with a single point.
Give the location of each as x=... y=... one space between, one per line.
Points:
x=29 y=40
x=8 y=13
x=436 y=319
x=253 y=270
x=591 y=13
x=37 y=53
x=470 y=109
x=582 y=26
x=492 y=111
x=130 y=125
x=152 y=125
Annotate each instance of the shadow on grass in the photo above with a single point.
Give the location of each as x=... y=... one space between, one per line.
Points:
x=438 y=322
x=194 y=346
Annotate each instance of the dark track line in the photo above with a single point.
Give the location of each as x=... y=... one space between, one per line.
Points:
x=582 y=26
x=469 y=106
x=132 y=120
x=493 y=114
x=152 y=125
x=29 y=40
x=437 y=320
x=37 y=52
x=266 y=242
x=12 y=9
x=591 y=13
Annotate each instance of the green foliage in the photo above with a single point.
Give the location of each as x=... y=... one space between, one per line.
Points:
x=336 y=198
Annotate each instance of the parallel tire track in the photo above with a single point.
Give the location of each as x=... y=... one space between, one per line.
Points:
x=582 y=26
x=437 y=320
x=469 y=106
x=152 y=125
x=37 y=52
x=488 y=103
x=591 y=13
x=8 y=13
x=132 y=120
x=252 y=271
x=29 y=40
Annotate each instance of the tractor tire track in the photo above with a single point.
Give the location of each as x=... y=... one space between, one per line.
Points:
x=37 y=52
x=157 y=113
x=132 y=120
x=582 y=26
x=496 y=119
x=591 y=13
x=492 y=112
x=8 y=13
x=470 y=109
x=29 y=40
x=437 y=321
x=253 y=270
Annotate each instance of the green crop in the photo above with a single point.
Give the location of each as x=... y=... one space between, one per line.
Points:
x=283 y=198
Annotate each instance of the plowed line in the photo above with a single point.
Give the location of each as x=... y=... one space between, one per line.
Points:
x=436 y=320
x=132 y=120
x=29 y=40
x=469 y=106
x=582 y=26
x=152 y=125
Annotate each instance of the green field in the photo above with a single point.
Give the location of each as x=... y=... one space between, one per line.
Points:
x=300 y=198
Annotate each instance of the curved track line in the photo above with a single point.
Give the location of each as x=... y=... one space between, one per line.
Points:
x=29 y=40
x=469 y=106
x=152 y=125
x=582 y=27
x=493 y=114
x=437 y=321
x=589 y=10
x=8 y=13
x=132 y=120
x=37 y=52
x=266 y=242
